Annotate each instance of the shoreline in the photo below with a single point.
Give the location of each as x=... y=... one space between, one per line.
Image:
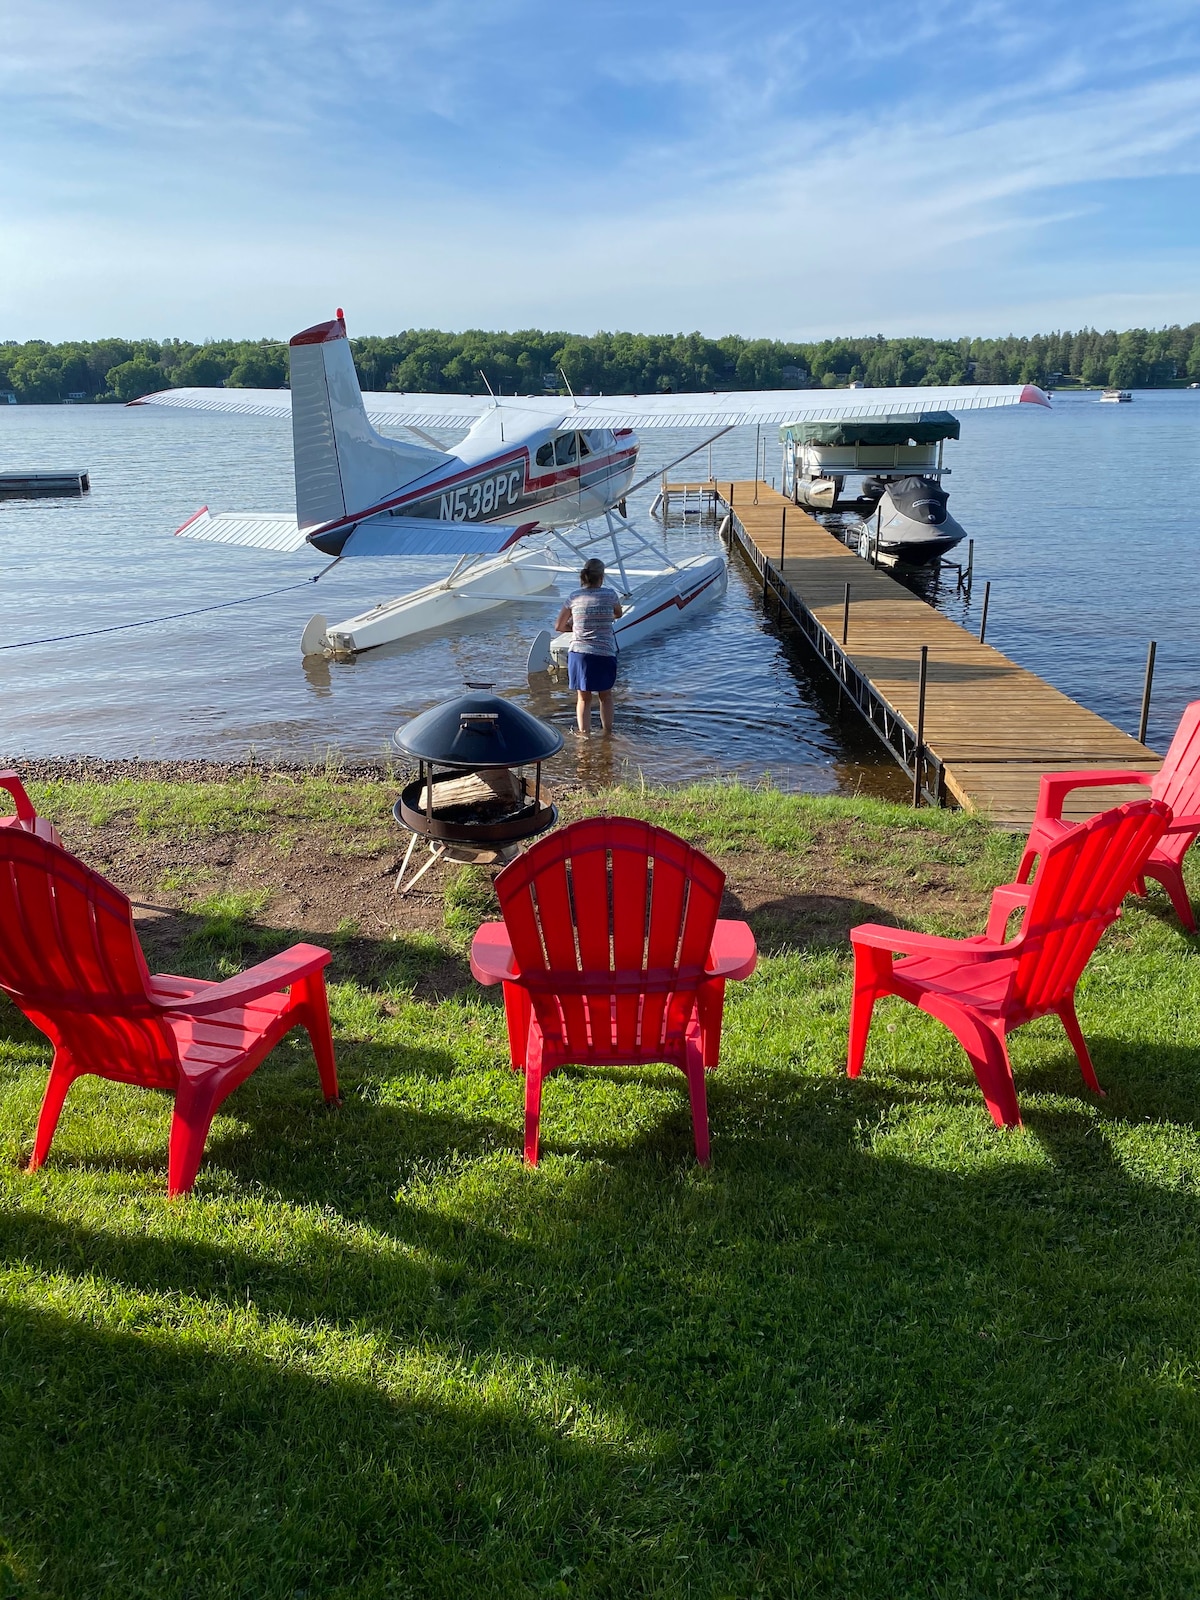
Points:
x=114 y=769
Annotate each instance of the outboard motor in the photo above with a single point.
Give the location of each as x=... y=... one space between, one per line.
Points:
x=914 y=525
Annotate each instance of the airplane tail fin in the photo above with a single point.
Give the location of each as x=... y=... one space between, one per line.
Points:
x=342 y=465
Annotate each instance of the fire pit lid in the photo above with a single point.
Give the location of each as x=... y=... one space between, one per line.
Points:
x=478 y=730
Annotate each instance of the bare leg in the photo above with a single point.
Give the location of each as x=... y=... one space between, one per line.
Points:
x=583 y=710
x=606 y=709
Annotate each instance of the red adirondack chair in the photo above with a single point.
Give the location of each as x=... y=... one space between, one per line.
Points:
x=611 y=952
x=982 y=988
x=1176 y=783
x=71 y=960
x=26 y=816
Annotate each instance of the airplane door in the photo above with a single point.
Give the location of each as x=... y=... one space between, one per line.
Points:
x=566 y=460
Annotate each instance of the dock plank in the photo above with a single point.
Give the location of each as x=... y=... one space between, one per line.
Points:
x=994 y=726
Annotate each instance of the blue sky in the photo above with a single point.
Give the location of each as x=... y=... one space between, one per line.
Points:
x=201 y=168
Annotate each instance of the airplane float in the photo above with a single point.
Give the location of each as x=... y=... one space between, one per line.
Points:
x=537 y=479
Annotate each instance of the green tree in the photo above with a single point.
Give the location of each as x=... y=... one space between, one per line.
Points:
x=204 y=370
x=132 y=379
x=260 y=369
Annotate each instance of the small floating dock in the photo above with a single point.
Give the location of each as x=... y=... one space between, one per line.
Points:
x=35 y=485
x=991 y=727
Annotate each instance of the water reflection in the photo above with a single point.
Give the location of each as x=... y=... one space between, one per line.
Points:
x=316 y=670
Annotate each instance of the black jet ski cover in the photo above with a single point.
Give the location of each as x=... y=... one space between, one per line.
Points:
x=872 y=488
x=920 y=499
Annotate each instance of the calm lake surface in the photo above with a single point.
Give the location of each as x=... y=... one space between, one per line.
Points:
x=1086 y=519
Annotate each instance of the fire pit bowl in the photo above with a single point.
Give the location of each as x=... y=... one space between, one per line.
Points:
x=480 y=806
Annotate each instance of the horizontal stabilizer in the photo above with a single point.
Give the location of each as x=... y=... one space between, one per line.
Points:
x=428 y=536
x=266 y=530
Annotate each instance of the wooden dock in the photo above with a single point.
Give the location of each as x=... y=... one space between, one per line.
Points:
x=991 y=727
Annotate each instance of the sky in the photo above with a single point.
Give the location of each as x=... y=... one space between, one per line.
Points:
x=201 y=169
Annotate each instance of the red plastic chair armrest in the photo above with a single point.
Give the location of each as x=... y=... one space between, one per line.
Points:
x=492 y=959
x=734 y=953
x=1183 y=825
x=268 y=977
x=1056 y=786
x=1009 y=897
x=909 y=943
x=25 y=809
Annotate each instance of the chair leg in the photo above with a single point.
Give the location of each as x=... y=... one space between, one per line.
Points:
x=869 y=967
x=1171 y=878
x=988 y=1054
x=517 y=1012
x=698 y=1095
x=314 y=1011
x=62 y=1075
x=1075 y=1034
x=533 y=1110
x=195 y=1106
x=710 y=1010
x=993 y=1074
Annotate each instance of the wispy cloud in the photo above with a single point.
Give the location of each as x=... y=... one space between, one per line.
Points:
x=198 y=167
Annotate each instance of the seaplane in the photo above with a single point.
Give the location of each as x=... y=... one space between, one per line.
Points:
x=535 y=480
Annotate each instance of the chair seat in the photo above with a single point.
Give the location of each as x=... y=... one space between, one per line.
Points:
x=984 y=985
x=210 y=1043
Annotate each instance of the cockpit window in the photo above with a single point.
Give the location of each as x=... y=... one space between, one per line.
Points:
x=585 y=448
x=597 y=439
x=545 y=455
x=564 y=449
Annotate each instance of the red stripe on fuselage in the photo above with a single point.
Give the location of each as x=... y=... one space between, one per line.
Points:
x=494 y=465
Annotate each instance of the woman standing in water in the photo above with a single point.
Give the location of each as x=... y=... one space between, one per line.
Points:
x=589 y=615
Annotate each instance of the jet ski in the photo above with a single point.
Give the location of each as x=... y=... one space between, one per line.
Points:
x=910 y=520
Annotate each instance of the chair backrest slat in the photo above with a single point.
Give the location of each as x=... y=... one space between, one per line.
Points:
x=622 y=914
x=1084 y=876
x=70 y=958
x=1177 y=781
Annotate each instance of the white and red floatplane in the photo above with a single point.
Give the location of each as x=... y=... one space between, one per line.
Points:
x=536 y=486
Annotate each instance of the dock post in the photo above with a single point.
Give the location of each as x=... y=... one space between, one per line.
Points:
x=666 y=498
x=878 y=531
x=757 y=443
x=970 y=565
x=987 y=595
x=782 y=537
x=846 y=615
x=919 y=752
x=1145 y=717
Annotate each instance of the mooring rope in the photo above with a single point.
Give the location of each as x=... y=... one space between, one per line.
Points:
x=148 y=622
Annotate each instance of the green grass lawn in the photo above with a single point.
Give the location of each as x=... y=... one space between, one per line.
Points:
x=878 y=1349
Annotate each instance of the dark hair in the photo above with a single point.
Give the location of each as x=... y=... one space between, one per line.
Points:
x=592 y=574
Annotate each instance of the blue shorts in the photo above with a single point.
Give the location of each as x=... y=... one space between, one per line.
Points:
x=595 y=674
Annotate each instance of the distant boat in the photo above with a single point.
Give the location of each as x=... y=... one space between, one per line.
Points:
x=1116 y=396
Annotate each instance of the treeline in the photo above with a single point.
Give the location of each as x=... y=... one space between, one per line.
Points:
x=531 y=362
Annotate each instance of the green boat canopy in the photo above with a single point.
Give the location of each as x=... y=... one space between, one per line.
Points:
x=927 y=427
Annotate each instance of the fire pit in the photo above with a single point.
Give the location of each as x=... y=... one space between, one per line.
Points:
x=480 y=806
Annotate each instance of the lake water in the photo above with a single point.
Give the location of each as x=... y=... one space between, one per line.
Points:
x=1086 y=519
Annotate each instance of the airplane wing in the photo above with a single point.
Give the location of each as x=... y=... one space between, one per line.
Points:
x=774 y=406
x=425 y=410
x=387 y=536
x=721 y=410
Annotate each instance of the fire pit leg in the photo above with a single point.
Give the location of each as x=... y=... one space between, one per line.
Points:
x=436 y=852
